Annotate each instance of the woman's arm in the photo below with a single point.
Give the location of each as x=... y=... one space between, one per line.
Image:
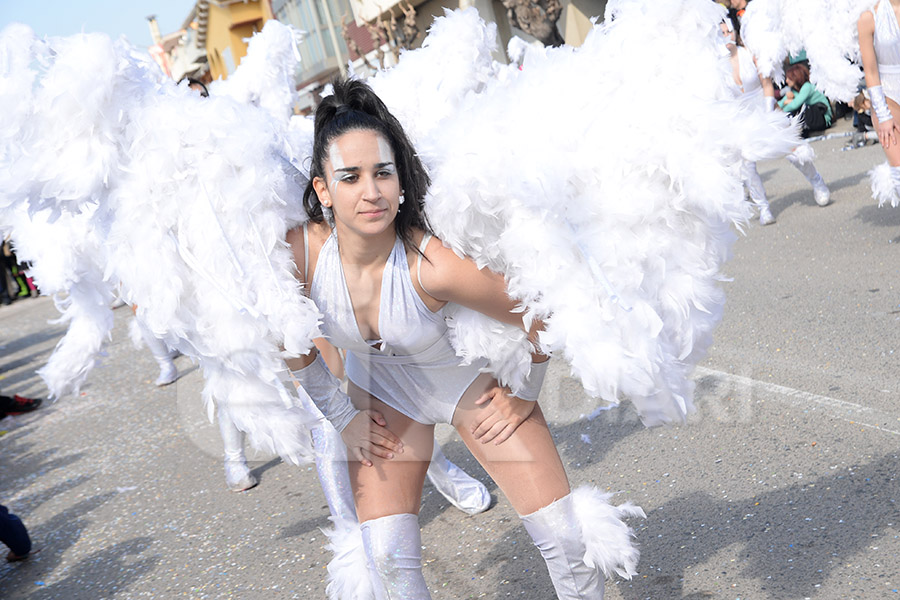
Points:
x=446 y=277
x=768 y=91
x=885 y=122
x=866 y=29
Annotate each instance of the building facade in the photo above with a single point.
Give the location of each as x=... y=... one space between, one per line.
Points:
x=365 y=33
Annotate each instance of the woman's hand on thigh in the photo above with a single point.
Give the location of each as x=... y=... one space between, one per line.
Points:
x=887 y=133
x=501 y=417
x=367 y=435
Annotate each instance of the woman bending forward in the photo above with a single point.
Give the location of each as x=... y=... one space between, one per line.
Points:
x=371 y=265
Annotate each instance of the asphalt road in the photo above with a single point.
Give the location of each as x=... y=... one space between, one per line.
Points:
x=783 y=486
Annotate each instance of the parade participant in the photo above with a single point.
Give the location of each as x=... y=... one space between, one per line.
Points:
x=381 y=279
x=879 y=47
x=756 y=92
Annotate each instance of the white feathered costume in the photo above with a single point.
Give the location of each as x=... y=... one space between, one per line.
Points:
x=613 y=230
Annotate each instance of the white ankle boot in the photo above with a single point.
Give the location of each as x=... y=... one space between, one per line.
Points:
x=168 y=372
x=753 y=181
x=582 y=537
x=803 y=161
x=458 y=487
x=765 y=215
x=238 y=477
x=393 y=547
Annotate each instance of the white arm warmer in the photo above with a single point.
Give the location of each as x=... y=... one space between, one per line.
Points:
x=325 y=390
x=770 y=103
x=879 y=104
x=532 y=388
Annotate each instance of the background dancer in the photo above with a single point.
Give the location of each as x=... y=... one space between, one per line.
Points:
x=879 y=48
x=757 y=91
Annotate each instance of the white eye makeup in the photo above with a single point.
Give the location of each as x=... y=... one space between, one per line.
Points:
x=384 y=151
x=337 y=162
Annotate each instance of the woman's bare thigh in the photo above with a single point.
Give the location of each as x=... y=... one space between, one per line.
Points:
x=391 y=487
x=527 y=466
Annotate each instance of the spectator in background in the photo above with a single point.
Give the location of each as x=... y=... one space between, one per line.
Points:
x=802 y=98
x=16 y=405
x=862 y=117
x=736 y=10
x=6 y=262
x=197 y=86
x=14 y=535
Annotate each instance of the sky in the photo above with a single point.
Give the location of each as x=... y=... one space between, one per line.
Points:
x=112 y=17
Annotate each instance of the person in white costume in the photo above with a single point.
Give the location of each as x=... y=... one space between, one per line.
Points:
x=382 y=280
x=879 y=47
x=757 y=91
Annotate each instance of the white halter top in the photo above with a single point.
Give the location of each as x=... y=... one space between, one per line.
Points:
x=887 y=49
x=749 y=73
x=412 y=368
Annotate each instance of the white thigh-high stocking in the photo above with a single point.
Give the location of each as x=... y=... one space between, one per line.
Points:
x=237 y=474
x=394 y=552
x=582 y=538
x=802 y=159
x=458 y=487
x=753 y=181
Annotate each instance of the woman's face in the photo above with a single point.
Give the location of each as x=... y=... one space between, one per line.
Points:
x=361 y=184
x=792 y=83
x=728 y=33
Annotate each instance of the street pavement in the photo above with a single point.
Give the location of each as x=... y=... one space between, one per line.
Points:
x=783 y=485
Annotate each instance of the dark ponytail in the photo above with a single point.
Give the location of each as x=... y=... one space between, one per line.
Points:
x=354 y=106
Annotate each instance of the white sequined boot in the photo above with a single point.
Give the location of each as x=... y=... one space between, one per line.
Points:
x=582 y=538
x=393 y=547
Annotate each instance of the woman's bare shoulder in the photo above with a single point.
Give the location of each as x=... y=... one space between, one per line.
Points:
x=317 y=232
x=866 y=20
x=434 y=250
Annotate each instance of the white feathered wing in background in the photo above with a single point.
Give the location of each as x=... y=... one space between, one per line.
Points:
x=825 y=29
x=190 y=198
x=613 y=230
